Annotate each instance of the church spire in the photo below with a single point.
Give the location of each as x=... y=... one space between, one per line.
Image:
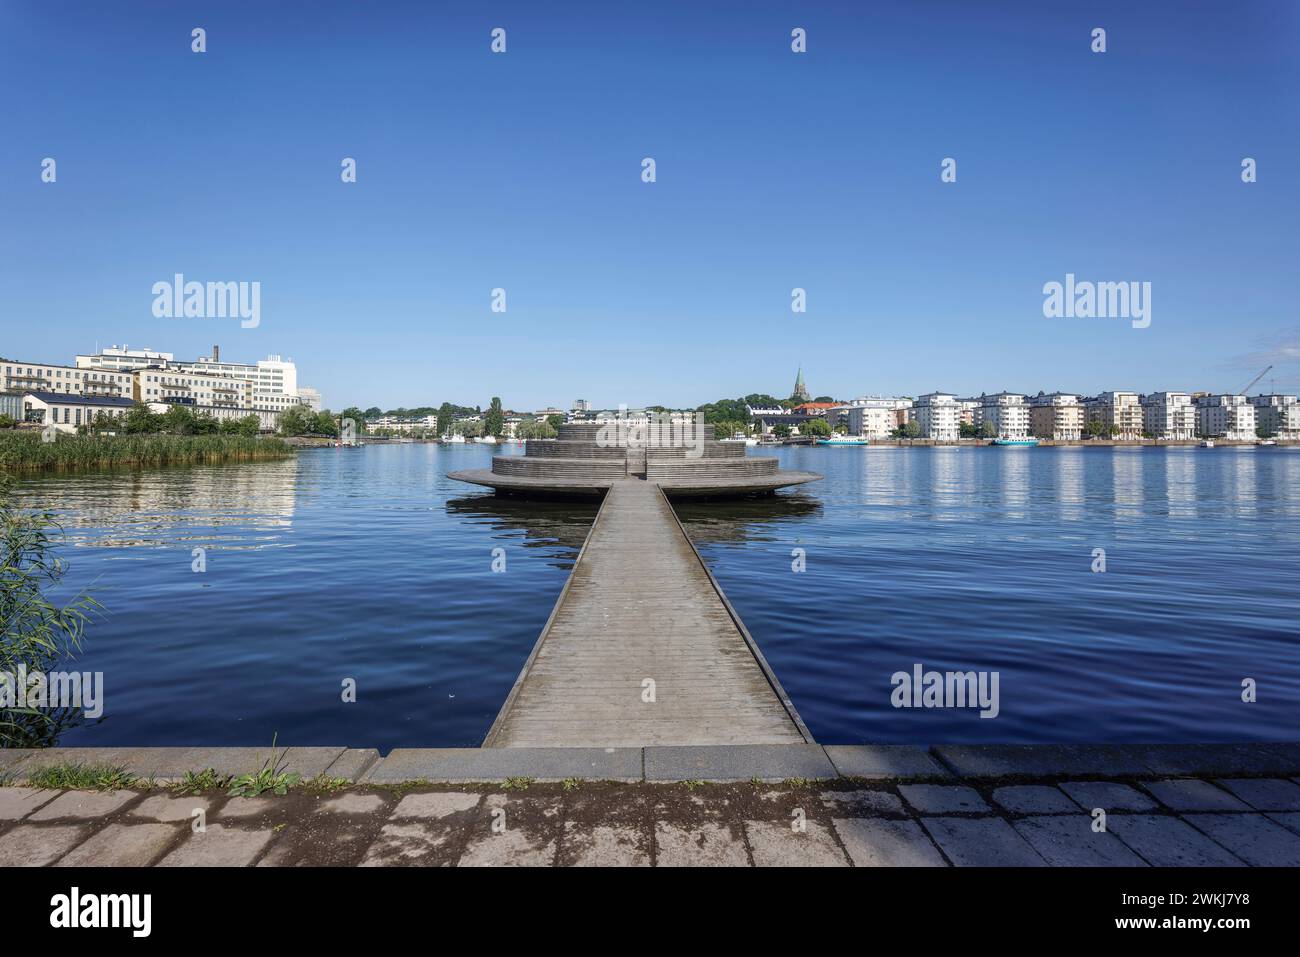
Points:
x=800 y=390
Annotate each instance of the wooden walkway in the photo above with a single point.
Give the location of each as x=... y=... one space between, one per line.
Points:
x=640 y=604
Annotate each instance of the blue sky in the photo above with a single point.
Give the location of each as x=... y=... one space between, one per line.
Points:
x=775 y=171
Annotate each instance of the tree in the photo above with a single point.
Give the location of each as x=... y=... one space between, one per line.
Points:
x=178 y=420
x=374 y=412
x=781 y=431
x=535 y=429
x=140 y=420
x=323 y=423
x=296 y=420
x=988 y=430
x=358 y=418
x=1094 y=429
x=494 y=421
x=912 y=429
x=555 y=421
x=967 y=430
x=445 y=419
x=7 y=422
x=818 y=428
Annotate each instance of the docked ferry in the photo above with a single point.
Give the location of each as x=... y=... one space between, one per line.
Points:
x=843 y=440
x=1018 y=443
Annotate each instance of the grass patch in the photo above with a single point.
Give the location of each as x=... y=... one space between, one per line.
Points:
x=81 y=777
x=323 y=785
x=24 y=450
x=200 y=781
x=517 y=784
x=692 y=784
x=270 y=778
x=571 y=784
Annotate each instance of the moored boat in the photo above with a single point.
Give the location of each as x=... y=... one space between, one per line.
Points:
x=1016 y=443
x=843 y=440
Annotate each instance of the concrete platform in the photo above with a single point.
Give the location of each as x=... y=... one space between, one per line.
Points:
x=593 y=487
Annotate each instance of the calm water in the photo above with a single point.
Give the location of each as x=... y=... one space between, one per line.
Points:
x=370 y=564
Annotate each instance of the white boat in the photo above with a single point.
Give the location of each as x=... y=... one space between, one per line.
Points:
x=843 y=440
x=456 y=439
x=1207 y=443
x=1267 y=442
x=488 y=439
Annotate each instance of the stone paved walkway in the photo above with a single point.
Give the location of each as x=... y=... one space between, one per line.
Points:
x=1175 y=822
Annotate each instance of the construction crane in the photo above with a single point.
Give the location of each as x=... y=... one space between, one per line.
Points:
x=1254 y=380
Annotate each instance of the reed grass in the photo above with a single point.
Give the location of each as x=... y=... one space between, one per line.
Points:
x=24 y=451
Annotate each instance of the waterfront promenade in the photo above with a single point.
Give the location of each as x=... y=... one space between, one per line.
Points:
x=774 y=805
x=642 y=647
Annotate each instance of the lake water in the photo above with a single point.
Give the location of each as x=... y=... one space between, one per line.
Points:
x=371 y=565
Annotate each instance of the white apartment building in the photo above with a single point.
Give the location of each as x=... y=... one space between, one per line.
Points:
x=1118 y=413
x=1006 y=413
x=1229 y=417
x=1169 y=415
x=1277 y=415
x=207 y=393
x=937 y=415
x=1057 y=415
x=68 y=380
x=875 y=422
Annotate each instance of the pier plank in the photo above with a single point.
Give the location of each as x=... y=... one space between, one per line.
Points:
x=640 y=604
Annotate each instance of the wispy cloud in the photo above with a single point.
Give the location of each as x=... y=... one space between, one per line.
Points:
x=1279 y=349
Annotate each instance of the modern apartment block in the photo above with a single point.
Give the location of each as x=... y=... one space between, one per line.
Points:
x=1229 y=417
x=1004 y=414
x=1168 y=415
x=1118 y=413
x=937 y=415
x=1056 y=415
x=1277 y=415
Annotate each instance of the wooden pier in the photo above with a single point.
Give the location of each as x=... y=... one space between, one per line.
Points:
x=643 y=648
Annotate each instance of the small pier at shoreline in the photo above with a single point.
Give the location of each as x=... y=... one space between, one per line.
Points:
x=643 y=648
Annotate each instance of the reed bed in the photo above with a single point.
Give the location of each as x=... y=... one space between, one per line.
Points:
x=24 y=451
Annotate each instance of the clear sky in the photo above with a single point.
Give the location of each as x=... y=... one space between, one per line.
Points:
x=775 y=170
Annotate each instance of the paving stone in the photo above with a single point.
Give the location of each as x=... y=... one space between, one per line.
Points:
x=122 y=845
x=171 y=764
x=242 y=807
x=84 y=804
x=1168 y=842
x=30 y=846
x=604 y=846
x=1034 y=799
x=1252 y=837
x=1070 y=841
x=704 y=845
x=1190 y=795
x=512 y=848
x=17 y=802
x=11 y=758
x=219 y=846
x=981 y=842
x=1290 y=821
x=408 y=844
x=1042 y=760
x=942 y=798
x=1110 y=796
x=352 y=804
x=862 y=802
x=738 y=762
x=1265 y=794
x=436 y=804
x=464 y=765
x=878 y=842
x=167 y=809
x=890 y=761
x=778 y=845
